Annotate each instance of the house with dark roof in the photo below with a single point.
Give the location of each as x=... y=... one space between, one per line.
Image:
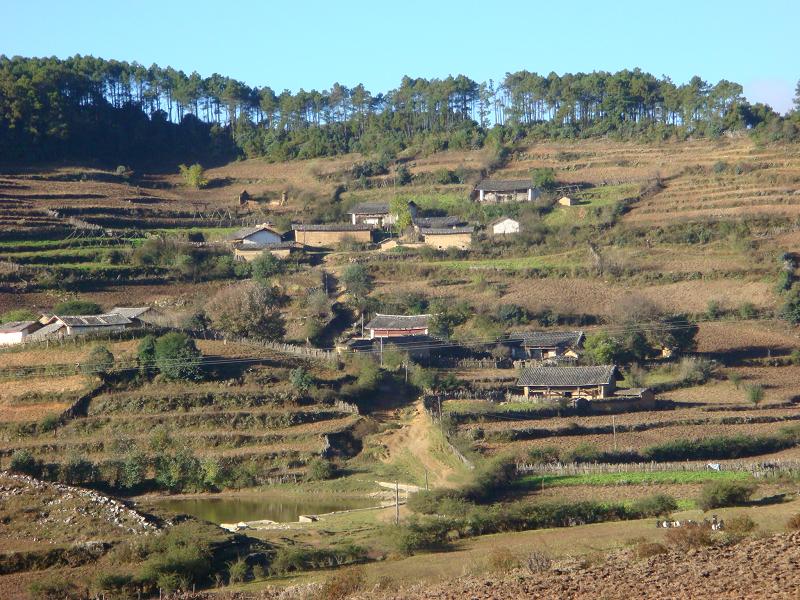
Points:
x=447 y=222
x=331 y=234
x=415 y=345
x=569 y=382
x=376 y=214
x=541 y=345
x=82 y=324
x=396 y=326
x=258 y=235
x=140 y=316
x=495 y=191
x=14 y=332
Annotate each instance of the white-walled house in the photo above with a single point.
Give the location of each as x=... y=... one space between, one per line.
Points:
x=504 y=226
x=260 y=235
x=14 y=332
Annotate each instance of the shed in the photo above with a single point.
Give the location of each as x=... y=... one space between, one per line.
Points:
x=567 y=201
x=548 y=344
x=504 y=226
x=569 y=382
x=14 y=332
x=376 y=214
x=494 y=191
x=257 y=235
x=397 y=325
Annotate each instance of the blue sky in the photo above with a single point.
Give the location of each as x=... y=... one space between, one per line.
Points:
x=311 y=44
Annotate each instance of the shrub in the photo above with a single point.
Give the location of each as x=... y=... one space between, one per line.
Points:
x=755 y=393
x=19 y=314
x=649 y=549
x=300 y=379
x=430 y=536
x=237 y=571
x=118 y=584
x=22 y=461
x=657 y=505
x=265 y=267
x=793 y=524
x=99 y=362
x=49 y=423
x=320 y=469
x=194 y=176
x=55 y=588
x=177 y=356
x=687 y=537
x=740 y=525
x=357 y=280
x=343 y=584
x=537 y=562
x=501 y=560
x=735 y=379
x=248 y=309
x=718 y=494
x=544 y=178
x=146 y=353
x=77 y=307
x=77 y=471
x=288 y=559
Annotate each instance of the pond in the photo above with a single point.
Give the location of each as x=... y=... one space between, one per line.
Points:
x=231 y=509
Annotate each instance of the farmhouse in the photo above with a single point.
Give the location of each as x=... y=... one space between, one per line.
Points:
x=504 y=226
x=255 y=236
x=376 y=214
x=82 y=324
x=140 y=316
x=331 y=234
x=14 y=332
x=569 y=382
x=444 y=238
x=437 y=222
x=546 y=344
x=506 y=190
x=384 y=326
x=278 y=250
x=416 y=345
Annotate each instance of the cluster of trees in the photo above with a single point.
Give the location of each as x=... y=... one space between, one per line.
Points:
x=86 y=107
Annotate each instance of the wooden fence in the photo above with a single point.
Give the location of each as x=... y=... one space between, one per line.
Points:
x=757 y=469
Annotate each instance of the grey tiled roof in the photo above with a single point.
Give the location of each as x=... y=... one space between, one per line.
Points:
x=268 y=246
x=567 y=376
x=439 y=222
x=94 y=320
x=370 y=208
x=248 y=231
x=398 y=322
x=504 y=185
x=45 y=331
x=444 y=230
x=132 y=312
x=15 y=326
x=330 y=227
x=549 y=339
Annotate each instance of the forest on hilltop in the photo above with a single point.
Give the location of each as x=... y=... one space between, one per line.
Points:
x=86 y=108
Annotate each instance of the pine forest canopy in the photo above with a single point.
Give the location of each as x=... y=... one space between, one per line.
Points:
x=90 y=108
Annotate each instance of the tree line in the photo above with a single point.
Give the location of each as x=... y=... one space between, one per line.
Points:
x=90 y=108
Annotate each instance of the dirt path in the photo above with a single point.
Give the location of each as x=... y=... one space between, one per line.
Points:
x=416 y=437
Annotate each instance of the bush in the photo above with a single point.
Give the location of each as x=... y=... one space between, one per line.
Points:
x=20 y=314
x=688 y=537
x=300 y=379
x=237 y=571
x=718 y=494
x=265 y=267
x=430 y=536
x=194 y=176
x=320 y=469
x=288 y=559
x=658 y=505
x=146 y=353
x=77 y=307
x=343 y=584
x=99 y=362
x=248 y=309
x=177 y=356
x=55 y=588
x=793 y=524
x=649 y=549
x=740 y=525
x=357 y=280
x=22 y=461
x=755 y=393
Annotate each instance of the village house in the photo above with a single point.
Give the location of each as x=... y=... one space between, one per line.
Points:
x=506 y=190
x=67 y=326
x=541 y=345
x=417 y=346
x=592 y=385
x=14 y=332
x=331 y=234
x=447 y=222
x=376 y=214
x=504 y=226
x=569 y=382
x=259 y=235
x=397 y=325
x=444 y=238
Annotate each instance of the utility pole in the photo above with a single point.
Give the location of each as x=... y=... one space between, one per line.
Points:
x=381 y=351
x=614 y=429
x=362 y=324
x=405 y=364
x=396 y=503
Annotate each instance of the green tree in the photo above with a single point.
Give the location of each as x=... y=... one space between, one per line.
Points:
x=100 y=362
x=790 y=310
x=357 y=280
x=134 y=470
x=178 y=471
x=544 y=179
x=301 y=379
x=22 y=461
x=248 y=309
x=77 y=307
x=146 y=353
x=399 y=207
x=194 y=176
x=603 y=349
x=320 y=469
x=265 y=267
x=675 y=332
x=177 y=356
